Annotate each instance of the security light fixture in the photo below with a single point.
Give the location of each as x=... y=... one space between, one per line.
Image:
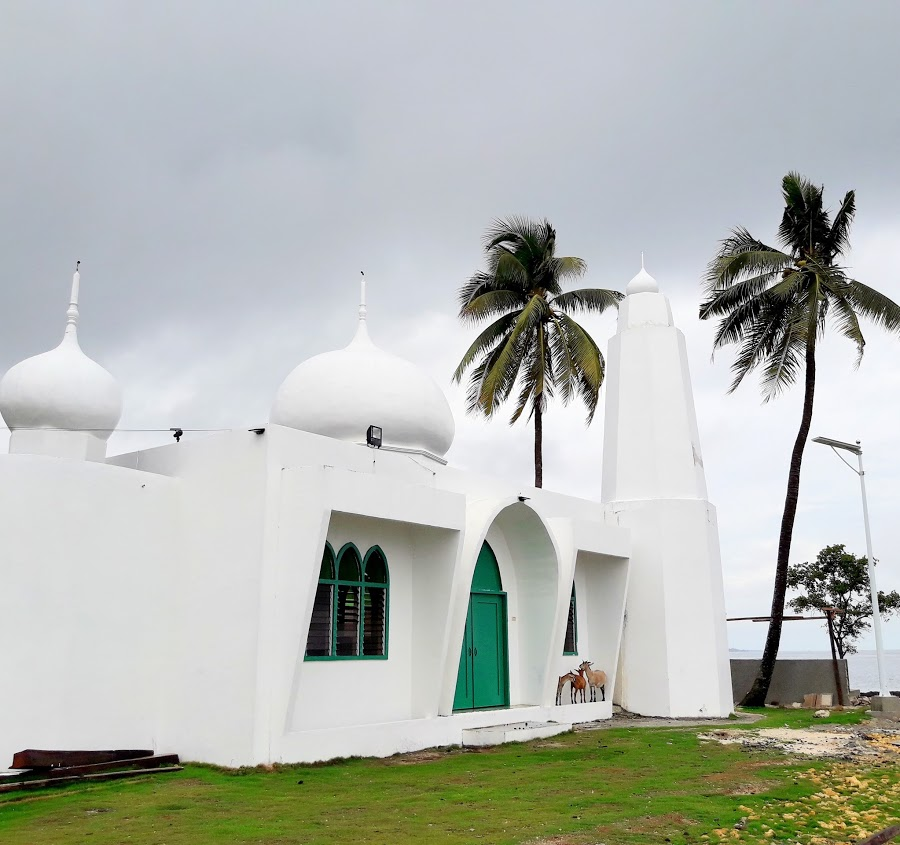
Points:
x=177 y=433
x=258 y=430
x=373 y=436
x=523 y=498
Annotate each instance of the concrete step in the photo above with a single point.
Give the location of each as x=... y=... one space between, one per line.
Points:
x=513 y=732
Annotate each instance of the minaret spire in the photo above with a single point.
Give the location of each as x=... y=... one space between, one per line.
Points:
x=72 y=313
x=362 y=297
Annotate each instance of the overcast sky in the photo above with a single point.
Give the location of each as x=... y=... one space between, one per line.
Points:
x=223 y=171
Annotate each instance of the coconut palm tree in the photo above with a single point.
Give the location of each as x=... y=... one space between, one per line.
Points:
x=532 y=344
x=774 y=304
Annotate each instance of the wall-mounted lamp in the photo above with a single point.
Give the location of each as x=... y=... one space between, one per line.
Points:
x=523 y=498
x=177 y=433
x=257 y=430
x=373 y=436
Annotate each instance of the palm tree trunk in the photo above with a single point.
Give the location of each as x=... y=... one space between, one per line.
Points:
x=756 y=697
x=538 y=446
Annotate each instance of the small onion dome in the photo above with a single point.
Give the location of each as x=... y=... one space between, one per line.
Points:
x=61 y=389
x=643 y=282
x=340 y=394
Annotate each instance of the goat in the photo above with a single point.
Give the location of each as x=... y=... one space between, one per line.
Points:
x=579 y=684
x=595 y=679
x=563 y=680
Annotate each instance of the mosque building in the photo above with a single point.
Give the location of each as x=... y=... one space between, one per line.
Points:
x=327 y=585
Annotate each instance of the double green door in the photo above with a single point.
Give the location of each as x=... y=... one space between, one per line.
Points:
x=483 y=679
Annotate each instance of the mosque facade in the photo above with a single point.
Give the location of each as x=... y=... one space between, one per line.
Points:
x=294 y=593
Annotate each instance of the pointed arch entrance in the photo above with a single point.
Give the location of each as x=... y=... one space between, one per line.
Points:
x=483 y=678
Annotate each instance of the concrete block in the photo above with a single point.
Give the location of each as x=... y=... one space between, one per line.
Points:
x=888 y=704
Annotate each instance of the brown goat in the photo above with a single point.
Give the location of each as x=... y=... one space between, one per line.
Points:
x=579 y=684
x=595 y=680
x=563 y=680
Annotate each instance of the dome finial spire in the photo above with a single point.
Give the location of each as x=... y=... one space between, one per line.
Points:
x=72 y=313
x=642 y=259
x=362 y=297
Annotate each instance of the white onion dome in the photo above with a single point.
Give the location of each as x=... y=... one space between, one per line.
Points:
x=61 y=389
x=643 y=282
x=340 y=394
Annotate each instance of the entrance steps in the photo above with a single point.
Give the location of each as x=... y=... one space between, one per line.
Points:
x=513 y=732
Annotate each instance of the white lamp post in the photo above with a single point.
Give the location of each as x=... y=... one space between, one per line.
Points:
x=876 y=615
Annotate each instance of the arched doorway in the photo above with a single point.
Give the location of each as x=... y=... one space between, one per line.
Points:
x=483 y=679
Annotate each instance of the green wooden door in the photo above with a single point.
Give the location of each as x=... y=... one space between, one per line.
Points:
x=465 y=695
x=489 y=649
x=483 y=677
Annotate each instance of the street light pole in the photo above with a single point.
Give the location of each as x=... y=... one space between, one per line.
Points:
x=856 y=448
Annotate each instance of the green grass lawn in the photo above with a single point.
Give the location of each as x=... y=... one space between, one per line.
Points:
x=640 y=785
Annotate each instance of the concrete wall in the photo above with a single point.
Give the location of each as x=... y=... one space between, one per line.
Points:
x=791 y=680
x=88 y=553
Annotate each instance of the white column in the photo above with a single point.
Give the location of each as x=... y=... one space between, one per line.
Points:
x=674 y=659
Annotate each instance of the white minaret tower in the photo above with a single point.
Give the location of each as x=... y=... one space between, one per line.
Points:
x=61 y=403
x=674 y=657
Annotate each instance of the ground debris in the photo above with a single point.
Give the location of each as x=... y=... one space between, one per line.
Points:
x=848 y=742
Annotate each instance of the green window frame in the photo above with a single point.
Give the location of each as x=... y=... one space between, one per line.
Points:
x=570 y=646
x=351 y=606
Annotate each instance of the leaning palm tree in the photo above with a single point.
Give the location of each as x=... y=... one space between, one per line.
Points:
x=532 y=345
x=773 y=304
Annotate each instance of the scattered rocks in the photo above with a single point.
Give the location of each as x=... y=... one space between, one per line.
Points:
x=822 y=714
x=837 y=742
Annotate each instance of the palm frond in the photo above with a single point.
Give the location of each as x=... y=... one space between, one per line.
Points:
x=596 y=300
x=588 y=361
x=478 y=284
x=491 y=336
x=567 y=267
x=847 y=324
x=499 y=379
x=742 y=255
x=491 y=303
x=724 y=301
x=874 y=306
x=838 y=240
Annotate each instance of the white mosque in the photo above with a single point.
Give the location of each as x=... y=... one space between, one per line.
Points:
x=292 y=593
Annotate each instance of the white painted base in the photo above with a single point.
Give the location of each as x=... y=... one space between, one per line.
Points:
x=515 y=732
x=388 y=738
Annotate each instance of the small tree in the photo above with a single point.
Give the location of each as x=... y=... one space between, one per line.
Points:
x=840 y=580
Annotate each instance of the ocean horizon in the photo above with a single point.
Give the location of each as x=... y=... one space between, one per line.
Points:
x=862 y=667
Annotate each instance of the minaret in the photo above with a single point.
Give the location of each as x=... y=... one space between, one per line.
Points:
x=61 y=403
x=674 y=658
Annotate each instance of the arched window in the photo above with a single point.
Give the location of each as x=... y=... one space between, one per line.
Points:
x=571 y=643
x=375 y=604
x=350 y=610
x=318 y=643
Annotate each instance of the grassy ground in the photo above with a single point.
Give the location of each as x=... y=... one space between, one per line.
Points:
x=639 y=785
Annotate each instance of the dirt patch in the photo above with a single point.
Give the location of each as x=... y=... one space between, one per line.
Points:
x=415 y=757
x=840 y=743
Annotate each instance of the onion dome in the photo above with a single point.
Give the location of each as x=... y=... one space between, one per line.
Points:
x=62 y=389
x=643 y=282
x=340 y=394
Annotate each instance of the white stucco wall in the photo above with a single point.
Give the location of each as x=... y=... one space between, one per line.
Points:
x=213 y=631
x=88 y=553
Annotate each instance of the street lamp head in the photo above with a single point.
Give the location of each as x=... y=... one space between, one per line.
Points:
x=839 y=444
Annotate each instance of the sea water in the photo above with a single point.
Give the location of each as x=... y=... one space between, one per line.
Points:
x=863 y=667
